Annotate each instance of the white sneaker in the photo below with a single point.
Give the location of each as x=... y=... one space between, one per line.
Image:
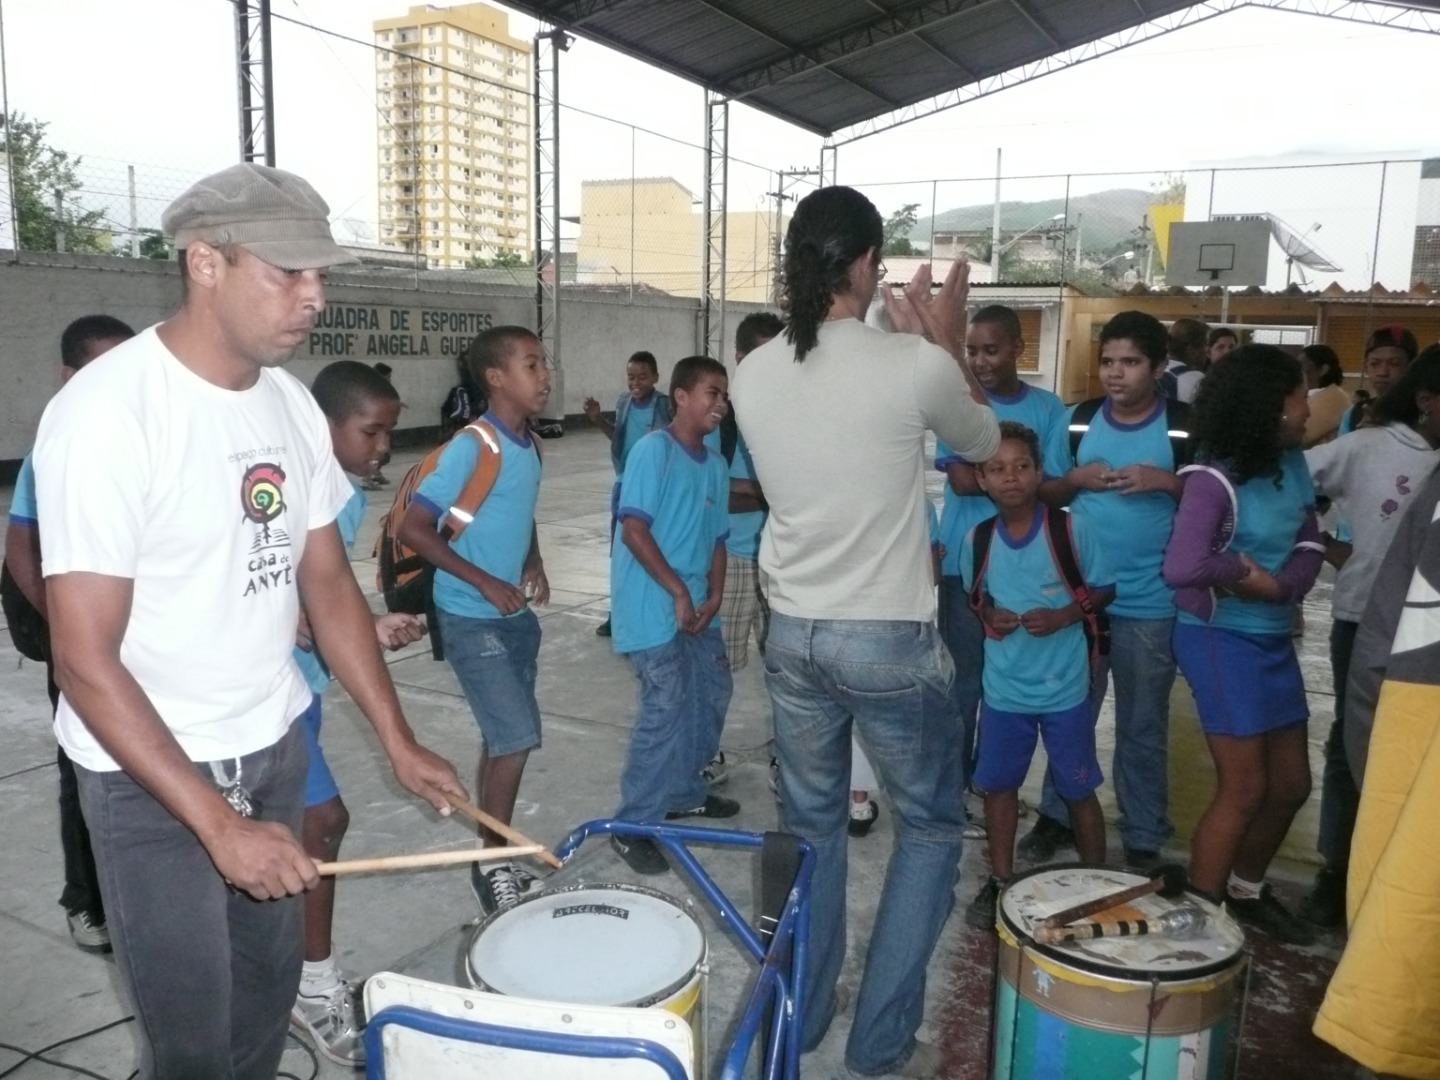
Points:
x=88 y=931
x=333 y=1024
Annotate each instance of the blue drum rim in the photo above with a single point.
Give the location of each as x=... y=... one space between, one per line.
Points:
x=1095 y=967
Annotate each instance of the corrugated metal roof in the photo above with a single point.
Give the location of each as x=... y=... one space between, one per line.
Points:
x=825 y=65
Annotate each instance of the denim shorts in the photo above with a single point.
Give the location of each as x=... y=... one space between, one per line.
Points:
x=1007 y=743
x=495 y=661
x=319 y=781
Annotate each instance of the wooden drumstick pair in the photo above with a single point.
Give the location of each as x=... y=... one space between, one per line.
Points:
x=1168 y=881
x=523 y=845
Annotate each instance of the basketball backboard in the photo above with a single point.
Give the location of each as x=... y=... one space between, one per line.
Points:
x=1234 y=253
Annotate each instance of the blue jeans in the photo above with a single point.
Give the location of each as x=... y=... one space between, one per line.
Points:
x=892 y=680
x=964 y=636
x=685 y=689
x=1143 y=666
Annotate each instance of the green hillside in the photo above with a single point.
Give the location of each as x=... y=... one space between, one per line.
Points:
x=1110 y=217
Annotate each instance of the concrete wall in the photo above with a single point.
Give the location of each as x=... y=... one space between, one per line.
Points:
x=417 y=332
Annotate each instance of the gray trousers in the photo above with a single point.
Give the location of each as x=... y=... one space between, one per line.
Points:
x=211 y=974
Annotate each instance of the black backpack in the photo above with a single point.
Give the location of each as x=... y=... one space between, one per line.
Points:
x=1095 y=623
x=1177 y=426
x=28 y=629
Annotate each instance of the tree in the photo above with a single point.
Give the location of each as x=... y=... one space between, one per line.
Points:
x=505 y=260
x=897 y=231
x=1170 y=189
x=39 y=171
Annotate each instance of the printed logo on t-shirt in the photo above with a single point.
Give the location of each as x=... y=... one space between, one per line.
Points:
x=262 y=498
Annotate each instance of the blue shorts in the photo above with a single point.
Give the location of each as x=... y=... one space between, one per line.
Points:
x=495 y=661
x=1007 y=743
x=319 y=783
x=1244 y=684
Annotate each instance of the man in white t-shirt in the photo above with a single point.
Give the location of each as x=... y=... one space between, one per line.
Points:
x=190 y=495
x=834 y=413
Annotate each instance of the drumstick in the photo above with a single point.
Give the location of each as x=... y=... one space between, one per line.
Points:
x=1179 y=923
x=427 y=859
x=1168 y=880
x=515 y=836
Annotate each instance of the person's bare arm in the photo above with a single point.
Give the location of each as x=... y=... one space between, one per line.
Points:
x=22 y=556
x=746 y=496
x=961 y=476
x=940 y=316
x=635 y=534
x=88 y=617
x=344 y=632
x=417 y=532
x=716 y=589
x=1061 y=490
x=592 y=410
x=533 y=580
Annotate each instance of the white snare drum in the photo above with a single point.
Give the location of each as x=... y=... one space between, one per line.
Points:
x=596 y=945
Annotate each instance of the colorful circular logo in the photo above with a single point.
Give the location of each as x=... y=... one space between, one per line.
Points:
x=262 y=493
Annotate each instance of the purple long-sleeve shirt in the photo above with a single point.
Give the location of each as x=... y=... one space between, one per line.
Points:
x=1195 y=566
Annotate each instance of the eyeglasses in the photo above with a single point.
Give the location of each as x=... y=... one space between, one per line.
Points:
x=880 y=270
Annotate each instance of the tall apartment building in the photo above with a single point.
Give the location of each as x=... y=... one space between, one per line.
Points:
x=454 y=150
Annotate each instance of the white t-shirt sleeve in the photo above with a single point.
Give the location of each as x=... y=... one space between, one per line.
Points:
x=943 y=395
x=92 y=473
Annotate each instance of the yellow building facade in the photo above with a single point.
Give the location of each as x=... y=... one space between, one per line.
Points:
x=647 y=231
x=453 y=155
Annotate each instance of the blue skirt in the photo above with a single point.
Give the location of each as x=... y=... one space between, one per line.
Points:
x=1244 y=684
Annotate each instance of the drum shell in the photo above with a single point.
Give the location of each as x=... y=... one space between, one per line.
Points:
x=1061 y=1016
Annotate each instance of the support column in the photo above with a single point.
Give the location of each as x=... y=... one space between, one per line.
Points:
x=713 y=239
x=546 y=60
x=829 y=162
x=256 y=81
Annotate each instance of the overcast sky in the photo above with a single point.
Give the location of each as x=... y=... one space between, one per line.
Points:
x=152 y=83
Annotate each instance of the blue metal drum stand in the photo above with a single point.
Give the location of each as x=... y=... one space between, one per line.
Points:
x=774 y=1005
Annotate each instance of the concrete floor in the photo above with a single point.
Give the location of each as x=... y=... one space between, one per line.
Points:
x=419 y=921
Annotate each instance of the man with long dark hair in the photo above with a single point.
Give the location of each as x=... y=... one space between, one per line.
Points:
x=852 y=634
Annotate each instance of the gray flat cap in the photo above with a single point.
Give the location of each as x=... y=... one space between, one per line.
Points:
x=275 y=215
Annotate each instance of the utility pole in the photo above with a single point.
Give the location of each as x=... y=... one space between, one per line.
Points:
x=255 y=80
x=785 y=179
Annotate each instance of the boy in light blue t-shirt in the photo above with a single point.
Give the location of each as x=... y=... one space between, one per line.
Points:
x=1037 y=664
x=487 y=577
x=639 y=411
x=1121 y=482
x=667 y=577
x=362 y=407
x=993 y=347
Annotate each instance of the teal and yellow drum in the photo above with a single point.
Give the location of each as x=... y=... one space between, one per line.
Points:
x=1112 y=1008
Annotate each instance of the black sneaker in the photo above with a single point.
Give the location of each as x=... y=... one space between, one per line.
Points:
x=981 y=912
x=1142 y=859
x=1325 y=906
x=641 y=855
x=863 y=816
x=714 y=806
x=603 y=630
x=1269 y=916
x=494 y=886
x=1046 y=839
